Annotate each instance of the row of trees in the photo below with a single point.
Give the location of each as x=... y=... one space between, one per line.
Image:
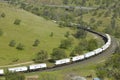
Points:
x=59 y=53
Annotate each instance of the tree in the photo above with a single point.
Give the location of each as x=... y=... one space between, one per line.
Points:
x=23 y=5
x=36 y=42
x=67 y=34
x=20 y=46
x=41 y=56
x=80 y=34
x=66 y=43
x=12 y=43
x=82 y=46
x=77 y=50
x=3 y=15
x=17 y=21
x=51 y=34
x=14 y=76
x=58 y=53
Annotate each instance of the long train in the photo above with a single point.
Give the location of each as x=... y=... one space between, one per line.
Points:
x=41 y=66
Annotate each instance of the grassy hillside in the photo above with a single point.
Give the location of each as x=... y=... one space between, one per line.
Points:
x=31 y=28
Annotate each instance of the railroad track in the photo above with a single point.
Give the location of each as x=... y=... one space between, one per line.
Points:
x=92 y=60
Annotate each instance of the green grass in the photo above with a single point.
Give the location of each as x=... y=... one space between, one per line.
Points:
x=31 y=28
x=64 y=73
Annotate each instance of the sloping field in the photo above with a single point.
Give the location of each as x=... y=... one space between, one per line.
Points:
x=31 y=28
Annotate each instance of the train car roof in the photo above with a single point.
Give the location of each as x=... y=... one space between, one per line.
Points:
x=1 y=71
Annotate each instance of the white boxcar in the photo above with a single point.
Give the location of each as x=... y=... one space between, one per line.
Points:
x=108 y=44
x=62 y=61
x=104 y=47
x=37 y=66
x=89 y=54
x=109 y=38
x=97 y=51
x=18 y=69
x=1 y=72
x=76 y=58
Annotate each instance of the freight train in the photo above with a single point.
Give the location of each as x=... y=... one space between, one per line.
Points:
x=41 y=66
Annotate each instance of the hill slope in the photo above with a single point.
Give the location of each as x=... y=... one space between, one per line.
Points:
x=31 y=28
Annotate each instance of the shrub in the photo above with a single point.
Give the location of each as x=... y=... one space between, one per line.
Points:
x=66 y=43
x=12 y=43
x=41 y=56
x=51 y=34
x=3 y=15
x=20 y=46
x=58 y=54
x=17 y=21
x=80 y=34
x=36 y=42
x=67 y=34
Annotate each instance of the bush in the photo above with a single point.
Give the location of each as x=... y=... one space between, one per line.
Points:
x=12 y=43
x=17 y=21
x=41 y=56
x=80 y=34
x=3 y=15
x=67 y=34
x=20 y=46
x=36 y=42
x=58 y=54
x=51 y=34
x=66 y=43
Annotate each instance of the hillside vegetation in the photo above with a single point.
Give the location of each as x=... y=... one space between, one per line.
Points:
x=31 y=28
x=23 y=35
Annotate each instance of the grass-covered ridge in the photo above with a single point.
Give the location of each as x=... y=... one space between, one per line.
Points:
x=31 y=28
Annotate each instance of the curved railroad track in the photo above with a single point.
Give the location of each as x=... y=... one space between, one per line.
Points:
x=92 y=60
